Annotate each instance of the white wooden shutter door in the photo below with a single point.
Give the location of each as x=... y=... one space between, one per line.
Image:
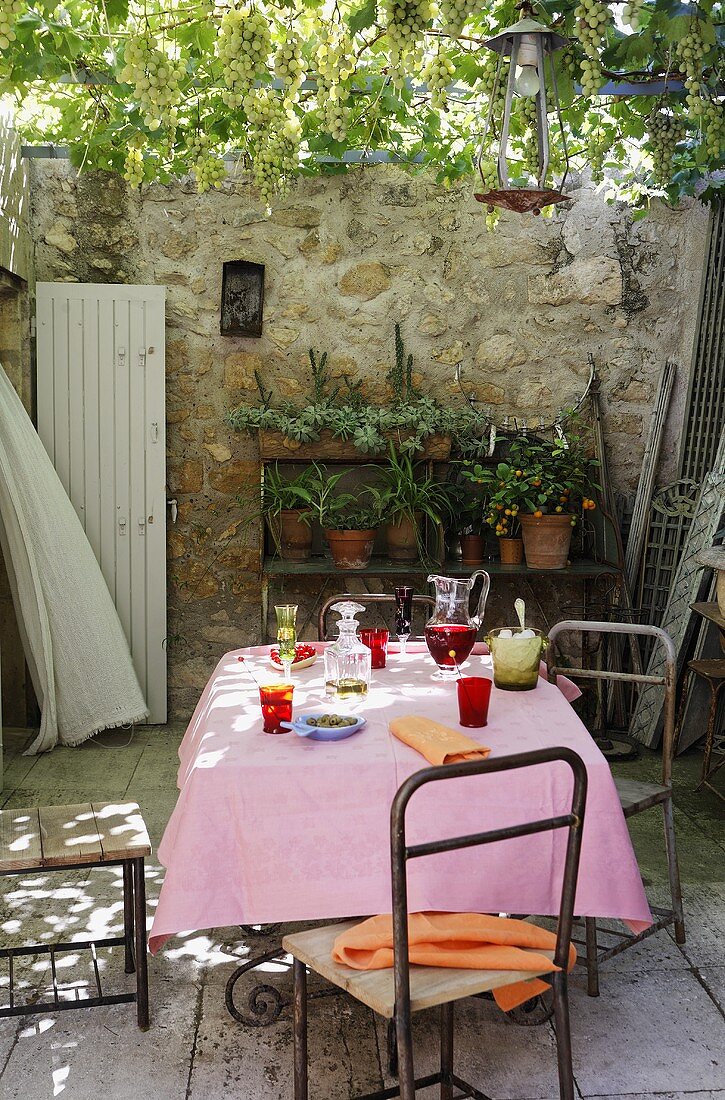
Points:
x=101 y=417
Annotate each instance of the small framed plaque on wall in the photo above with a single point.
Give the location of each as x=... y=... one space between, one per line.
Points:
x=242 y=298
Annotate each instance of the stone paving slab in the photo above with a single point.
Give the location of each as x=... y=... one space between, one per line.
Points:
x=499 y=1057
x=647 y=1034
x=256 y=1063
x=705 y=923
x=714 y=979
x=101 y=1053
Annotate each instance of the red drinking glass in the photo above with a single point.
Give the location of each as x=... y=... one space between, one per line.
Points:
x=474 y=693
x=276 y=701
x=377 y=642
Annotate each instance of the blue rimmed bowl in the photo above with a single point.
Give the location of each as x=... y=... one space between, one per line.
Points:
x=302 y=728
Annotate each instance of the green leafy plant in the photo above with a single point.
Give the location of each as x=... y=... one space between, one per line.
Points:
x=504 y=495
x=345 y=413
x=282 y=493
x=409 y=492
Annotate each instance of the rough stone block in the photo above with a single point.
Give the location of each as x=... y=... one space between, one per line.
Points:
x=365 y=281
x=189 y=477
x=233 y=476
x=597 y=281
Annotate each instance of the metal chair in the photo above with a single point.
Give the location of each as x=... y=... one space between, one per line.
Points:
x=366 y=598
x=397 y=993
x=635 y=796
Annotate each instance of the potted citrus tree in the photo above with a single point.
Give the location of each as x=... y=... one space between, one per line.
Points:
x=407 y=496
x=286 y=507
x=504 y=495
x=556 y=478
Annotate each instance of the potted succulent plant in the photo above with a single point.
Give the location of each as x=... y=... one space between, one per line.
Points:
x=407 y=497
x=286 y=507
x=555 y=479
x=350 y=521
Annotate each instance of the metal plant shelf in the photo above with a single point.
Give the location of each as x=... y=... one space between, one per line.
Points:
x=322 y=564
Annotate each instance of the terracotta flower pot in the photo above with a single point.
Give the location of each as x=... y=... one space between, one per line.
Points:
x=511 y=551
x=473 y=548
x=350 y=549
x=402 y=538
x=546 y=540
x=292 y=538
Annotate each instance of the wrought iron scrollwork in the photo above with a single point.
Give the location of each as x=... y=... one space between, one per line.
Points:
x=264 y=1003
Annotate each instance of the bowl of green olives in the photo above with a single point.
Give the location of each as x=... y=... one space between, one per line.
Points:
x=325 y=725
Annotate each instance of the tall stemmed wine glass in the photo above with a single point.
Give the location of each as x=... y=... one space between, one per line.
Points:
x=286 y=636
x=403 y=614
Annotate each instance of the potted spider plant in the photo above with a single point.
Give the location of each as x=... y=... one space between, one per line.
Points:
x=350 y=521
x=286 y=507
x=408 y=496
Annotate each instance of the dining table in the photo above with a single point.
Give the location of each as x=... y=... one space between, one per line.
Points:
x=280 y=828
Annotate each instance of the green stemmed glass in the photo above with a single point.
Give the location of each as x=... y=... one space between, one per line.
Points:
x=286 y=635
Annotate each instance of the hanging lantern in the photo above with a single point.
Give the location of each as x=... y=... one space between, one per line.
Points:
x=528 y=44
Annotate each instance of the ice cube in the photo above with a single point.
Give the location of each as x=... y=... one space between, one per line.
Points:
x=528 y=633
x=506 y=634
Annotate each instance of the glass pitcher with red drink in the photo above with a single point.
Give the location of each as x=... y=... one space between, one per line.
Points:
x=451 y=631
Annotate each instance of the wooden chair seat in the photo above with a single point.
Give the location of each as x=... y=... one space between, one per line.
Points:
x=58 y=836
x=635 y=796
x=429 y=985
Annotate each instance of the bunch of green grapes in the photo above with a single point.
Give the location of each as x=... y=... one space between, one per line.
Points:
x=9 y=12
x=592 y=19
x=289 y=66
x=489 y=68
x=405 y=26
x=597 y=146
x=690 y=50
x=454 y=15
x=243 y=47
x=526 y=111
x=437 y=75
x=335 y=62
x=156 y=80
x=133 y=167
x=713 y=125
x=664 y=133
x=197 y=144
x=210 y=172
x=632 y=14
x=274 y=139
x=489 y=175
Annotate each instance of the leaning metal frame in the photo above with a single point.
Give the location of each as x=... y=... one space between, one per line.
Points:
x=400 y=853
x=133 y=941
x=663 y=917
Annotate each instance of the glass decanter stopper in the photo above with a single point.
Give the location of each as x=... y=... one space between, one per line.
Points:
x=347 y=660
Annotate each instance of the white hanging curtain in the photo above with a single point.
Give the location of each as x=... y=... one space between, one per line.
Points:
x=76 y=651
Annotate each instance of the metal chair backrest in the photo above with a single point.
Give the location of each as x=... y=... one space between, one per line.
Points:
x=401 y=852
x=668 y=681
x=364 y=598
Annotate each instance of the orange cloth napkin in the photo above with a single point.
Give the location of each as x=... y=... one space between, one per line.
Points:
x=464 y=941
x=437 y=743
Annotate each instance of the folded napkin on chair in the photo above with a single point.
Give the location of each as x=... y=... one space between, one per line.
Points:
x=437 y=743
x=464 y=941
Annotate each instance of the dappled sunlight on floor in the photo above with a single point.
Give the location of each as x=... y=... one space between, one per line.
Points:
x=655 y=1029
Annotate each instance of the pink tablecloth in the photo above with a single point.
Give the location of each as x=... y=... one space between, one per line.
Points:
x=278 y=828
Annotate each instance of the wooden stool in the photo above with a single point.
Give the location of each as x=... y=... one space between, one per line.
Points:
x=93 y=834
x=713 y=672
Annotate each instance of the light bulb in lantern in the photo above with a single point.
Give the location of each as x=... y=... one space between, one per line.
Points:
x=527 y=81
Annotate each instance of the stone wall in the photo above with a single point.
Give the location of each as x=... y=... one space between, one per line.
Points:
x=346 y=256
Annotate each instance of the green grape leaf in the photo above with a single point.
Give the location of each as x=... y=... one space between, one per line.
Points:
x=363 y=17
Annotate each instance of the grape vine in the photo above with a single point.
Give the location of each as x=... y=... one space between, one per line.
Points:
x=128 y=85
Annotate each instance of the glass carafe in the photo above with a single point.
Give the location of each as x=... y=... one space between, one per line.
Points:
x=347 y=661
x=451 y=630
